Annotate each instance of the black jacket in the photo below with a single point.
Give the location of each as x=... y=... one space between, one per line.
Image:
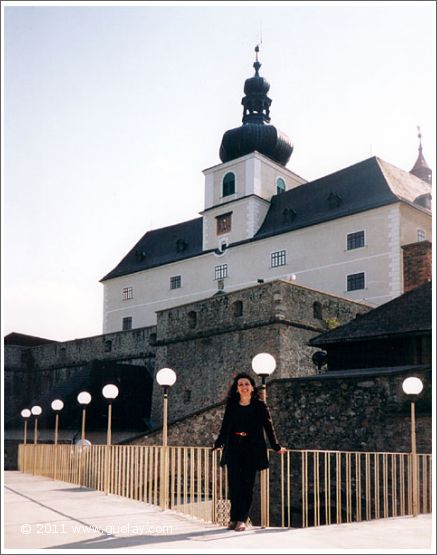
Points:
x=261 y=421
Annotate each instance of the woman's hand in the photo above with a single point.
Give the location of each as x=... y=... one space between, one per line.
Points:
x=281 y=451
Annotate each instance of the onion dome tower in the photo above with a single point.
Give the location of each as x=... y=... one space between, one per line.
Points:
x=421 y=168
x=256 y=133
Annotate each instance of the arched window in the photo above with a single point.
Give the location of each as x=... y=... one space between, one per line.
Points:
x=192 y=319
x=229 y=184
x=280 y=186
x=317 y=310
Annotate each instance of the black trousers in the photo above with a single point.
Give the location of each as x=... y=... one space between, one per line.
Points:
x=241 y=478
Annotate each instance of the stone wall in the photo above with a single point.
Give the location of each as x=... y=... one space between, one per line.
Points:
x=30 y=372
x=361 y=412
x=208 y=342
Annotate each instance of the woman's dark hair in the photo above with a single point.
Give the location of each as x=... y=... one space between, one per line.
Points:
x=233 y=395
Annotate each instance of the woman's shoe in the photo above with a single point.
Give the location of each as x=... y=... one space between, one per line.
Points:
x=232 y=524
x=240 y=527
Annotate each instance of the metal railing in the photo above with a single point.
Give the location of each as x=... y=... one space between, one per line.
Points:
x=301 y=488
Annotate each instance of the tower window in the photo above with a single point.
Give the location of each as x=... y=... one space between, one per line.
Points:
x=355 y=281
x=280 y=186
x=175 y=282
x=127 y=323
x=229 y=184
x=355 y=240
x=224 y=223
x=127 y=293
x=421 y=235
x=221 y=271
x=278 y=258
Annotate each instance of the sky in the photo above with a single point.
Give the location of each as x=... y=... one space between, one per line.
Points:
x=110 y=113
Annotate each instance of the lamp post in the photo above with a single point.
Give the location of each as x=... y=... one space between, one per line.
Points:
x=84 y=399
x=165 y=377
x=36 y=410
x=109 y=392
x=57 y=405
x=264 y=364
x=25 y=413
x=412 y=387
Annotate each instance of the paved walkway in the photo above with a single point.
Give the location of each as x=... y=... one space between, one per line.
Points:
x=42 y=513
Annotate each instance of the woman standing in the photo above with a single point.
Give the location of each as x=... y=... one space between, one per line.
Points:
x=245 y=451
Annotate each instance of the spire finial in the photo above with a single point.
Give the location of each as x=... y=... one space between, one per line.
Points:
x=421 y=168
x=257 y=64
x=419 y=136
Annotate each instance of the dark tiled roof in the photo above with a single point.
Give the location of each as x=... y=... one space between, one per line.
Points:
x=360 y=187
x=363 y=186
x=162 y=246
x=24 y=340
x=409 y=313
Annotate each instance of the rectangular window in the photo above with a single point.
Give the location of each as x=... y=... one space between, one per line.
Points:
x=355 y=240
x=420 y=235
x=278 y=258
x=224 y=223
x=127 y=323
x=221 y=271
x=355 y=281
x=128 y=293
x=175 y=282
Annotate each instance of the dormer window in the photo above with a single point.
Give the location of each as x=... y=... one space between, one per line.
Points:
x=224 y=223
x=334 y=200
x=140 y=255
x=280 y=186
x=424 y=200
x=288 y=215
x=229 y=184
x=181 y=245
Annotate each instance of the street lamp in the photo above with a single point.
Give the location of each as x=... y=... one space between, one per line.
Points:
x=25 y=413
x=263 y=364
x=413 y=387
x=36 y=411
x=84 y=399
x=57 y=406
x=110 y=392
x=165 y=377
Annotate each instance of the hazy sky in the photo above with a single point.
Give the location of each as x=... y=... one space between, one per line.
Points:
x=111 y=113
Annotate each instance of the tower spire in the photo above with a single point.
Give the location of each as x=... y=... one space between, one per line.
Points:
x=421 y=168
x=256 y=133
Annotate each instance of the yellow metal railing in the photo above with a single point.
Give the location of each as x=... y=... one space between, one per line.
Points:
x=301 y=488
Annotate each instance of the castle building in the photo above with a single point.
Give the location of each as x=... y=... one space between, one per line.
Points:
x=342 y=233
